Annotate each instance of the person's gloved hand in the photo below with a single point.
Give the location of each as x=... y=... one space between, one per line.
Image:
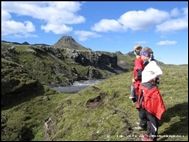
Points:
x=134 y=100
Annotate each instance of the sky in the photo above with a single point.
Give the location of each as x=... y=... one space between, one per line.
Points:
x=102 y=26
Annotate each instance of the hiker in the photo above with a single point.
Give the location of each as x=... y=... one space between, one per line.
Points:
x=136 y=80
x=150 y=104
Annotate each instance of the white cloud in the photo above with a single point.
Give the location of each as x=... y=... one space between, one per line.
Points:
x=5 y=15
x=134 y=20
x=139 y=20
x=106 y=25
x=55 y=15
x=163 y=21
x=173 y=25
x=84 y=35
x=11 y=27
x=166 y=42
x=176 y=24
x=57 y=29
x=63 y=12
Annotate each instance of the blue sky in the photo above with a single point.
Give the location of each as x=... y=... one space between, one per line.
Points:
x=106 y=26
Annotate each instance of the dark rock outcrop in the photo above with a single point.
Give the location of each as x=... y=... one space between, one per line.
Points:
x=107 y=60
x=96 y=59
x=94 y=74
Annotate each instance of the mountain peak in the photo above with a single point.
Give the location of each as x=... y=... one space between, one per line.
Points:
x=67 y=39
x=69 y=42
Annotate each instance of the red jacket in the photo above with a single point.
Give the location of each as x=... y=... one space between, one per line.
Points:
x=137 y=66
x=152 y=101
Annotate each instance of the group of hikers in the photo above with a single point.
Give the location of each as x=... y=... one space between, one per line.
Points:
x=145 y=93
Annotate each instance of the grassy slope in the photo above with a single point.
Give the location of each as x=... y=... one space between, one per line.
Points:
x=112 y=120
x=115 y=118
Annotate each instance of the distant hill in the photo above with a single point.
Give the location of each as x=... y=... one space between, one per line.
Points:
x=9 y=42
x=40 y=44
x=69 y=42
x=25 y=43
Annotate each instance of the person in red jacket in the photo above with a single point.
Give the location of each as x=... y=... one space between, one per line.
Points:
x=150 y=103
x=136 y=80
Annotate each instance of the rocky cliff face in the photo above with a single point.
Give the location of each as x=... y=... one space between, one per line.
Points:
x=95 y=59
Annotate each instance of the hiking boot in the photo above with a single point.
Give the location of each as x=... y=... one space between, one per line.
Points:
x=138 y=123
x=138 y=128
x=146 y=137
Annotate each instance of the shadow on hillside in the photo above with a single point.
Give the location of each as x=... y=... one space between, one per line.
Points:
x=179 y=127
x=21 y=95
